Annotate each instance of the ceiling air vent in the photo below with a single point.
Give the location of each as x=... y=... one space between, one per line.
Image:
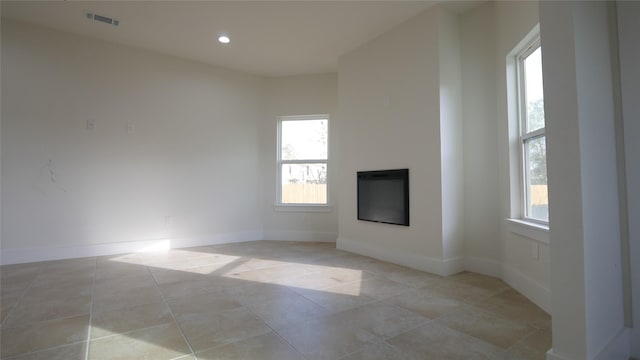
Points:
x=101 y=18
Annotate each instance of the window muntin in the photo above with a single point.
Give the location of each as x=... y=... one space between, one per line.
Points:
x=535 y=200
x=303 y=160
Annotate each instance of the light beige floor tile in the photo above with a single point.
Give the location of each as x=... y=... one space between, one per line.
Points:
x=204 y=259
x=246 y=264
x=116 y=270
x=381 y=268
x=12 y=292
x=414 y=278
x=270 y=274
x=160 y=258
x=495 y=330
x=18 y=276
x=533 y=347
x=482 y=281
x=159 y=342
x=212 y=270
x=132 y=258
x=400 y=274
x=381 y=288
x=375 y=287
x=75 y=263
x=434 y=341
x=382 y=320
x=284 y=310
x=347 y=275
x=376 y=351
x=177 y=265
x=29 y=310
x=20 y=269
x=514 y=306
x=248 y=292
x=67 y=352
x=209 y=329
x=264 y=347
x=326 y=303
x=66 y=271
x=348 y=260
x=40 y=336
x=134 y=290
x=58 y=291
x=185 y=357
x=165 y=276
x=189 y=288
x=338 y=298
x=7 y=302
x=425 y=304
x=202 y=304
x=125 y=283
x=312 y=281
x=330 y=337
x=125 y=298
x=111 y=322
x=64 y=278
x=460 y=291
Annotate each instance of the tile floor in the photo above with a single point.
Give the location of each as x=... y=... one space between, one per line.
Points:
x=260 y=300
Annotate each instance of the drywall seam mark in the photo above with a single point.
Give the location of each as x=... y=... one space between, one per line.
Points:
x=48 y=172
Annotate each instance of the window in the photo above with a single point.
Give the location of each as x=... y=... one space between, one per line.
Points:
x=532 y=144
x=303 y=160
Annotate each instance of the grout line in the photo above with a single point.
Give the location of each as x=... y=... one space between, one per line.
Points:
x=93 y=293
x=24 y=292
x=17 y=356
x=173 y=316
x=281 y=337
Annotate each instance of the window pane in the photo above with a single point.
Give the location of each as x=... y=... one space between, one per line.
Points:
x=537 y=206
x=304 y=140
x=534 y=95
x=304 y=183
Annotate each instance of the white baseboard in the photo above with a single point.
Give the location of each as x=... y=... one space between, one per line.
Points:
x=226 y=238
x=483 y=266
x=315 y=236
x=26 y=255
x=419 y=262
x=452 y=266
x=618 y=347
x=551 y=355
x=634 y=339
x=533 y=290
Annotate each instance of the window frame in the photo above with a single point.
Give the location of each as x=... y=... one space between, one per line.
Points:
x=279 y=205
x=525 y=136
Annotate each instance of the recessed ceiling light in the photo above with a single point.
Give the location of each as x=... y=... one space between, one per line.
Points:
x=224 y=39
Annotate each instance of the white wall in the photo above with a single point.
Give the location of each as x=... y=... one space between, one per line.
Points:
x=451 y=149
x=400 y=101
x=583 y=197
x=389 y=118
x=190 y=171
x=299 y=95
x=481 y=190
x=629 y=38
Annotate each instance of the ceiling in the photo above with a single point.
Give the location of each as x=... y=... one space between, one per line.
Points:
x=268 y=38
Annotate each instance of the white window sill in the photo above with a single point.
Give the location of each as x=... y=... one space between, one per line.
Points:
x=531 y=230
x=302 y=208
